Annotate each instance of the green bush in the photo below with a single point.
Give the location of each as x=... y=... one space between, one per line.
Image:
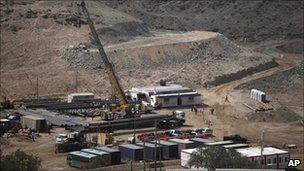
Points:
x=218 y=157
x=20 y=161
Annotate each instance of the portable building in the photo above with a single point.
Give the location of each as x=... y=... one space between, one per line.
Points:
x=82 y=160
x=131 y=152
x=114 y=153
x=171 y=95
x=149 y=151
x=219 y=143
x=176 y=99
x=33 y=122
x=201 y=142
x=104 y=157
x=169 y=149
x=273 y=158
x=183 y=144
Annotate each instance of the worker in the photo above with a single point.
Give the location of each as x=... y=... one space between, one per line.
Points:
x=33 y=136
x=49 y=129
x=211 y=111
x=195 y=109
x=226 y=99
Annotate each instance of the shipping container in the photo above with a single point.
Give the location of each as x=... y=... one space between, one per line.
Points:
x=114 y=153
x=104 y=157
x=201 y=142
x=34 y=123
x=82 y=160
x=131 y=152
x=149 y=151
x=183 y=144
x=169 y=149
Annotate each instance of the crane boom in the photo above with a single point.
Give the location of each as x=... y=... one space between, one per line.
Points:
x=108 y=65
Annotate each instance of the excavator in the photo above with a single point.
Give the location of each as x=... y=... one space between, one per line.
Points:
x=124 y=108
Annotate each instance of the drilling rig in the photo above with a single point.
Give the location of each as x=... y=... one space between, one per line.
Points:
x=124 y=108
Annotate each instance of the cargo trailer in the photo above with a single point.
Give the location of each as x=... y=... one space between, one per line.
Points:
x=82 y=160
x=131 y=152
x=183 y=144
x=169 y=149
x=201 y=142
x=104 y=158
x=149 y=151
x=114 y=153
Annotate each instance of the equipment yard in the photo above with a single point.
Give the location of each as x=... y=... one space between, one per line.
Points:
x=154 y=81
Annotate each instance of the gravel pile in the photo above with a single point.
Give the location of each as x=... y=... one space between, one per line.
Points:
x=79 y=55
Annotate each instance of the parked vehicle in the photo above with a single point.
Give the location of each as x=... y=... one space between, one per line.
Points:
x=173 y=133
x=203 y=131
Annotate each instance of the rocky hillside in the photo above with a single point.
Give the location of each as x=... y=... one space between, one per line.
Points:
x=236 y=19
x=282 y=82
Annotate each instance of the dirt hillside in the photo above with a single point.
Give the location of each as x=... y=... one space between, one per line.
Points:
x=35 y=32
x=237 y=19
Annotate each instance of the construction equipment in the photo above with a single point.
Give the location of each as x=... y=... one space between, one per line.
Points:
x=124 y=106
x=66 y=142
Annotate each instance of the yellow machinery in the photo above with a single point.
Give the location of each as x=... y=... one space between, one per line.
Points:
x=124 y=106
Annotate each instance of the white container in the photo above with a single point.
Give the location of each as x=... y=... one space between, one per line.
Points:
x=258 y=95
x=185 y=157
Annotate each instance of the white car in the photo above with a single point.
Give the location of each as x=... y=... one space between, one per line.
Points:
x=174 y=133
x=203 y=131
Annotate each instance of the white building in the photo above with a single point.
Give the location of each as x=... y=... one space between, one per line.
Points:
x=272 y=157
x=185 y=157
x=172 y=95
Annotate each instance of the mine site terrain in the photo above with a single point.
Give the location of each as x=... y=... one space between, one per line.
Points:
x=220 y=49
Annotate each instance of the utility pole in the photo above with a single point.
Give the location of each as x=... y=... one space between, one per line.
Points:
x=37 y=89
x=262 y=148
x=0 y=75
x=131 y=165
x=155 y=144
x=160 y=156
x=76 y=82
x=144 y=153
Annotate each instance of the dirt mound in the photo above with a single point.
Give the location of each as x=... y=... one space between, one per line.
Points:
x=237 y=19
x=283 y=114
x=190 y=58
x=280 y=82
x=160 y=51
x=122 y=32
